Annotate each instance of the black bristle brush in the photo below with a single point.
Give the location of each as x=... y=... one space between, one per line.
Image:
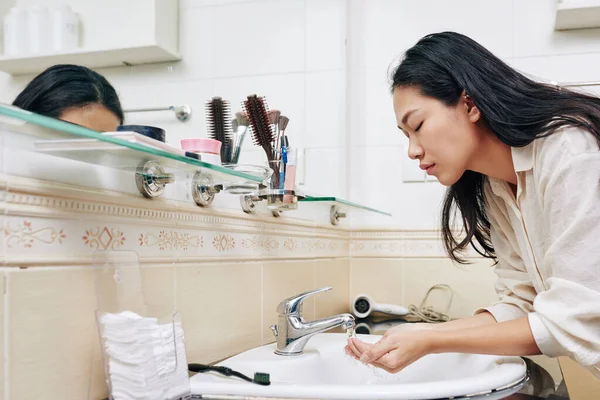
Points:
x=218 y=118
x=257 y=111
x=260 y=378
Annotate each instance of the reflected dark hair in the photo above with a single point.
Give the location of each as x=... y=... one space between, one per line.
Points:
x=65 y=86
x=515 y=108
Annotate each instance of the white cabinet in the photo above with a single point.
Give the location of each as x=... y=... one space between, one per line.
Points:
x=577 y=14
x=113 y=33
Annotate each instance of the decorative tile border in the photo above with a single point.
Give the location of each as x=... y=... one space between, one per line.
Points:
x=25 y=235
x=290 y=244
x=223 y=243
x=104 y=238
x=400 y=243
x=396 y=248
x=262 y=243
x=29 y=240
x=171 y=240
x=26 y=238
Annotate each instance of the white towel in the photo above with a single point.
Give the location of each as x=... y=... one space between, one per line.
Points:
x=146 y=360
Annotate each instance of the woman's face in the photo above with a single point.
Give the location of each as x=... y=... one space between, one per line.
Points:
x=93 y=116
x=443 y=138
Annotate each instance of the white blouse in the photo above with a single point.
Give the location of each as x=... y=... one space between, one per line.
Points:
x=547 y=241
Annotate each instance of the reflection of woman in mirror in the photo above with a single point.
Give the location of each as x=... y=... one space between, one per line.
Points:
x=74 y=94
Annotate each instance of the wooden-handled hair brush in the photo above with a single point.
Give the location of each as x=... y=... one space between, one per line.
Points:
x=257 y=111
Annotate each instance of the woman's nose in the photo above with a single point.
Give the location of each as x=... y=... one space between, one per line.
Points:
x=415 y=151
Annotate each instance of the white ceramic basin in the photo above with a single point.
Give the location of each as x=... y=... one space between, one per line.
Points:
x=324 y=371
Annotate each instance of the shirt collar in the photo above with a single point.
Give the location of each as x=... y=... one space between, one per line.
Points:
x=522 y=157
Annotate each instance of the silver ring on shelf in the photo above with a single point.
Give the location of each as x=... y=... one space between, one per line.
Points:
x=204 y=189
x=278 y=200
x=248 y=203
x=335 y=215
x=151 y=179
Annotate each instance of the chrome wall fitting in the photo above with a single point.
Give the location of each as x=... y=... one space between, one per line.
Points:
x=182 y=112
x=248 y=203
x=277 y=200
x=151 y=179
x=335 y=215
x=204 y=189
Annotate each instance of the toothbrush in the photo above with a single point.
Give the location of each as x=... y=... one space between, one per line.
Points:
x=284 y=159
x=234 y=129
x=260 y=378
x=273 y=121
x=242 y=129
x=290 y=174
x=281 y=125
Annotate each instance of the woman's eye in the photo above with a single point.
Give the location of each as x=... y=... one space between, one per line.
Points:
x=419 y=127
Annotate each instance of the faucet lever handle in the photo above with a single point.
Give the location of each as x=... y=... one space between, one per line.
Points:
x=292 y=304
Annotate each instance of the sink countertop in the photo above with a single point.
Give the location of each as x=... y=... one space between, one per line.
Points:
x=539 y=386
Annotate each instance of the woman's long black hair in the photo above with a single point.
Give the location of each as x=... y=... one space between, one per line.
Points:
x=65 y=86
x=516 y=109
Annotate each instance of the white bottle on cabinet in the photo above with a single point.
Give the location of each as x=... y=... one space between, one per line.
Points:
x=65 y=29
x=38 y=29
x=15 y=32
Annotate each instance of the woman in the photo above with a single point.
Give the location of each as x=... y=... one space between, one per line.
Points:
x=521 y=161
x=74 y=94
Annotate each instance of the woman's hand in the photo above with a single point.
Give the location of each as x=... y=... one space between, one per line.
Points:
x=405 y=344
x=357 y=348
x=398 y=348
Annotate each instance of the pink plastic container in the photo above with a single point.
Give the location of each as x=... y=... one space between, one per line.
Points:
x=201 y=145
x=209 y=150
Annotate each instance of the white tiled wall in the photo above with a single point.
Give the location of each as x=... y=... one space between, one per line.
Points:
x=520 y=32
x=295 y=53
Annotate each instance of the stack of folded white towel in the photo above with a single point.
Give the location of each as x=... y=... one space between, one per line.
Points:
x=146 y=360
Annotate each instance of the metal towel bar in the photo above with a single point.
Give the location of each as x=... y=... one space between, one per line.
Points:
x=182 y=112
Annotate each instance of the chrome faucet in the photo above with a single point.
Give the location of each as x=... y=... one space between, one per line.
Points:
x=293 y=332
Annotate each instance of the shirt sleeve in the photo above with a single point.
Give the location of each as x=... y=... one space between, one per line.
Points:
x=566 y=317
x=515 y=290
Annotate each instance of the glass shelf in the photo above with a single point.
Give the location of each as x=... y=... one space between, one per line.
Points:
x=342 y=202
x=50 y=141
x=65 y=140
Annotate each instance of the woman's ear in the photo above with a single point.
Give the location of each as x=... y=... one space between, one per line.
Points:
x=472 y=110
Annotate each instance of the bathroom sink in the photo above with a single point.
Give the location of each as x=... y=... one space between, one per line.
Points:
x=324 y=371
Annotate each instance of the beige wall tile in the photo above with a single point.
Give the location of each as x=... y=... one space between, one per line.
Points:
x=581 y=384
x=334 y=273
x=473 y=285
x=283 y=279
x=380 y=279
x=158 y=283
x=51 y=333
x=220 y=305
x=98 y=389
x=52 y=330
